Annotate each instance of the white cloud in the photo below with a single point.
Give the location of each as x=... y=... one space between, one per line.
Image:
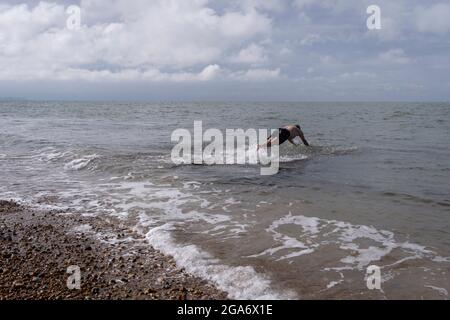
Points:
x=394 y=56
x=253 y=54
x=328 y=60
x=257 y=75
x=301 y=4
x=225 y=40
x=310 y=39
x=434 y=19
x=77 y=74
x=133 y=39
x=266 y=5
x=336 y=6
x=210 y=72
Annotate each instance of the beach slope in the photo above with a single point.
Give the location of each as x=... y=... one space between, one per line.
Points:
x=37 y=247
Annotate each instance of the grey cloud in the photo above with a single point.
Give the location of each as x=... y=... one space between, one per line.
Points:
x=251 y=49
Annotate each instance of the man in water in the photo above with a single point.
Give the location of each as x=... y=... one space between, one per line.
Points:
x=286 y=133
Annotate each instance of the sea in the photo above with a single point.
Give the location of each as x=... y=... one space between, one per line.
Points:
x=363 y=213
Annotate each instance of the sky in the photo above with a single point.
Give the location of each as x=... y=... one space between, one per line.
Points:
x=262 y=50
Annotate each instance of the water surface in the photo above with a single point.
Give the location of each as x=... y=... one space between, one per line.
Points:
x=372 y=190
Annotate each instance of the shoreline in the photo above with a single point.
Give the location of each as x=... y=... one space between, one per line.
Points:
x=37 y=247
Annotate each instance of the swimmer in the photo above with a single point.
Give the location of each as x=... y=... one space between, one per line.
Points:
x=286 y=133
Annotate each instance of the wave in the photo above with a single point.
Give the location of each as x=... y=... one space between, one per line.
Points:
x=286 y=154
x=293 y=158
x=51 y=154
x=80 y=163
x=241 y=282
x=398 y=114
x=72 y=159
x=316 y=233
x=116 y=164
x=168 y=206
x=330 y=150
x=32 y=202
x=161 y=210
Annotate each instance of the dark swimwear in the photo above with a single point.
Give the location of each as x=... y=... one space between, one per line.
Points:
x=284 y=135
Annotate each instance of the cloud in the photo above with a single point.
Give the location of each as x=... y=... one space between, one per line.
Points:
x=256 y=75
x=328 y=60
x=394 y=56
x=121 y=40
x=198 y=44
x=336 y=6
x=253 y=54
x=434 y=19
x=301 y=4
x=310 y=39
x=265 y=5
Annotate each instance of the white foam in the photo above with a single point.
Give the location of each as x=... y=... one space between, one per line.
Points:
x=241 y=282
x=333 y=284
x=338 y=150
x=442 y=291
x=441 y=259
x=292 y=158
x=158 y=205
x=80 y=163
x=166 y=206
x=309 y=225
x=250 y=156
x=52 y=155
x=31 y=202
x=166 y=203
x=316 y=233
x=83 y=228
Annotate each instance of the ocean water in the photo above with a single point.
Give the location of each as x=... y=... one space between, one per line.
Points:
x=372 y=190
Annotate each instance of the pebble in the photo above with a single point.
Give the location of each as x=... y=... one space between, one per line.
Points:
x=18 y=284
x=41 y=248
x=95 y=291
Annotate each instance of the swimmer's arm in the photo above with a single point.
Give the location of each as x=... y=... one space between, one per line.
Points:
x=302 y=137
x=306 y=143
x=267 y=144
x=292 y=142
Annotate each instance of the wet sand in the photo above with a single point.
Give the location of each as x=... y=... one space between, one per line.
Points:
x=37 y=247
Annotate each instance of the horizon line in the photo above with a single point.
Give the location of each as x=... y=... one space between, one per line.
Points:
x=19 y=99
